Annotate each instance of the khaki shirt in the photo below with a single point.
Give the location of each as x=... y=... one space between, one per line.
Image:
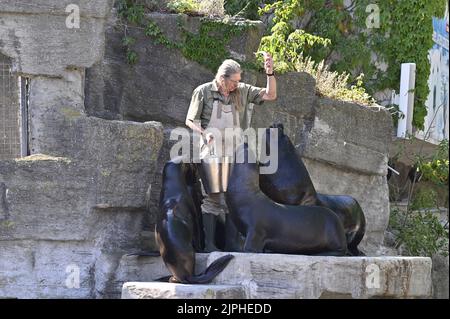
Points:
x=203 y=97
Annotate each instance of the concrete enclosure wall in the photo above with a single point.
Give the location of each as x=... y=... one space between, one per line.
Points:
x=87 y=195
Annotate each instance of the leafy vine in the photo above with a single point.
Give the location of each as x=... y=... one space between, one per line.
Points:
x=403 y=34
x=207 y=47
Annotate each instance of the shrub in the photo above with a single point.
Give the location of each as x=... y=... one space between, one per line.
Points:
x=420 y=233
x=333 y=84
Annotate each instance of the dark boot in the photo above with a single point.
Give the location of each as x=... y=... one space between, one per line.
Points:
x=209 y=225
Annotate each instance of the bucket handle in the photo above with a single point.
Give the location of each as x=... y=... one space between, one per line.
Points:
x=212 y=147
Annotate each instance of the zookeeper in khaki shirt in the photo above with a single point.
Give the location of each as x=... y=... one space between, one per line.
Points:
x=225 y=103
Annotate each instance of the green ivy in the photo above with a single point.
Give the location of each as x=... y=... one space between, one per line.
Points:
x=153 y=31
x=128 y=42
x=408 y=25
x=130 y=10
x=336 y=24
x=132 y=13
x=207 y=47
x=404 y=35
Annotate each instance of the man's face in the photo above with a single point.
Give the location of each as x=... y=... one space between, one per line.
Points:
x=232 y=82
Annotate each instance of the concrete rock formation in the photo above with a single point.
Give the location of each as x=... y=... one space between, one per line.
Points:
x=82 y=205
x=269 y=276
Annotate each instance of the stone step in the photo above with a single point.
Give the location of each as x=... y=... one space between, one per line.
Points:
x=160 y=290
x=266 y=276
x=297 y=276
x=147 y=269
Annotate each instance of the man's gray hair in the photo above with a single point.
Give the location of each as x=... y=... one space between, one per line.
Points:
x=226 y=69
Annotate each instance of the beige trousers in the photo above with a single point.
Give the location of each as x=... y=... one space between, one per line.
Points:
x=214 y=204
x=223 y=116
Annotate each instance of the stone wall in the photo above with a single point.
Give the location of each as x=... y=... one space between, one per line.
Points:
x=74 y=207
x=344 y=145
x=159 y=86
x=83 y=203
x=36 y=37
x=440 y=277
x=348 y=154
x=59 y=212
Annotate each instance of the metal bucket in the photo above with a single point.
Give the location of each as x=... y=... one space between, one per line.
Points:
x=215 y=173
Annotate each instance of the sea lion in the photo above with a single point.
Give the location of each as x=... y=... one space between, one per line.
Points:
x=176 y=227
x=276 y=228
x=195 y=191
x=292 y=185
x=352 y=216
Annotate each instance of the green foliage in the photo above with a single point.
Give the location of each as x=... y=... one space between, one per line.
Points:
x=336 y=24
x=404 y=35
x=207 y=47
x=128 y=42
x=5 y=224
x=397 y=40
x=153 y=31
x=131 y=11
x=421 y=233
x=436 y=169
x=133 y=15
x=131 y=56
x=333 y=84
x=286 y=46
x=184 y=6
x=417 y=228
x=396 y=114
x=289 y=46
x=285 y=43
x=424 y=199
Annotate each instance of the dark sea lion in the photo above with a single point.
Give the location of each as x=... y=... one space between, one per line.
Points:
x=352 y=216
x=276 y=228
x=195 y=190
x=176 y=227
x=292 y=185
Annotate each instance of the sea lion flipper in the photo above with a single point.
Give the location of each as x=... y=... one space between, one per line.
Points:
x=212 y=271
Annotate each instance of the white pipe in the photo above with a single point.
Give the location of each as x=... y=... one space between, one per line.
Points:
x=393 y=170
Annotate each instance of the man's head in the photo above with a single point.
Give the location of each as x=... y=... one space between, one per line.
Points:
x=228 y=75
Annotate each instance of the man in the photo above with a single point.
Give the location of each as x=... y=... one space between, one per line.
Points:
x=220 y=104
